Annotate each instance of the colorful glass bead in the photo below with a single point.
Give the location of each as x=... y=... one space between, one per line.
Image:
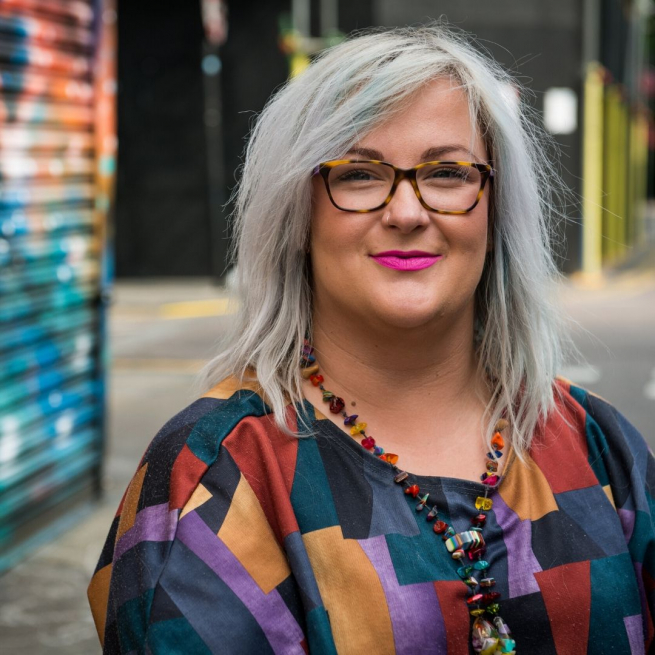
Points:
x=501 y=424
x=440 y=527
x=465 y=540
x=327 y=395
x=479 y=520
x=482 y=503
x=422 y=503
x=316 y=379
x=477 y=612
x=390 y=458
x=378 y=450
x=464 y=571
x=471 y=582
x=448 y=533
x=350 y=420
x=309 y=371
x=357 y=428
x=492 y=608
x=492 y=480
x=497 y=442
x=487 y=582
x=484 y=636
x=490 y=597
x=337 y=404
x=457 y=554
x=476 y=552
x=432 y=514
x=475 y=598
x=413 y=490
x=481 y=565
x=401 y=477
x=506 y=642
x=368 y=443
x=492 y=466
x=497 y=454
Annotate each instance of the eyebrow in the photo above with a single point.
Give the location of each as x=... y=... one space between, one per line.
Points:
x=431 y=154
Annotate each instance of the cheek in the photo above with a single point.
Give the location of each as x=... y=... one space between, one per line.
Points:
x=335 y=236
x=472 y=235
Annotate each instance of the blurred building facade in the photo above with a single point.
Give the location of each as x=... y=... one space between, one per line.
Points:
x=57 y=149
x=584 y=63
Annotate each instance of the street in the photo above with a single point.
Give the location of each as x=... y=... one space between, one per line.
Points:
x=162 y=333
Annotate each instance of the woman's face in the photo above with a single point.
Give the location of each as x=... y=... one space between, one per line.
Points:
x=350 y=280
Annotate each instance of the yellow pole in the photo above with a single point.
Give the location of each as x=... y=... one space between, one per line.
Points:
x=612 y=172
x=622 y=177
x=641 y=175
x=592 y=163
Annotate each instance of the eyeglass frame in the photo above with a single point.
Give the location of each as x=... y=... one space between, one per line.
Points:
x=323 y=169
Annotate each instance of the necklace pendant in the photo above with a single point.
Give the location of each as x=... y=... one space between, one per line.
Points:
x=484 y=635
x=350 y=420
x=483 y=503
x=413 y=490
x=440 y=527
x=336 y=404
x=309 y=371
x=505 y=639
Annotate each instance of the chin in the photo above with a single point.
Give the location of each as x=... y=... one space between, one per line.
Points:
x=407 y=316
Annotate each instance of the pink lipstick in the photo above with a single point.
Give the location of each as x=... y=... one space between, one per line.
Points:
x=409 y=260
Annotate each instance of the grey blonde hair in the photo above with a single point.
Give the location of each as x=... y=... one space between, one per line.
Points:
x=344 y=94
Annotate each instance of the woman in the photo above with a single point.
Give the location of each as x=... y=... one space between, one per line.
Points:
x=385 y=461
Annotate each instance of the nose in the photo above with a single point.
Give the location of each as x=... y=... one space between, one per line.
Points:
x=404 y=210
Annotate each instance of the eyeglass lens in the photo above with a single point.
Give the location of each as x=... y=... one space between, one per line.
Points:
x=448 y=187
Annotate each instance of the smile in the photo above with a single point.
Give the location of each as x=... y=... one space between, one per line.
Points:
x=406 y=261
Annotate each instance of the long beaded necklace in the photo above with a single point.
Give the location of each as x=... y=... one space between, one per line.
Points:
x=490 y=635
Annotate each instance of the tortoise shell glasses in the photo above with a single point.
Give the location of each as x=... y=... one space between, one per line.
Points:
x=445 y=187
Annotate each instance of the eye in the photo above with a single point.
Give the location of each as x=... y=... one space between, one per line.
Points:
x=460 y=173
x=357 y=175
x=449 y=175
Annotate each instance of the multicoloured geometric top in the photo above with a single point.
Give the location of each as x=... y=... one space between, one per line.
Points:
x=235 y=538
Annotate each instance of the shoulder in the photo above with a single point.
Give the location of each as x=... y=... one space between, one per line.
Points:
x=189 y=443
x=598 y=442
x=585 y=442
x=603 y=425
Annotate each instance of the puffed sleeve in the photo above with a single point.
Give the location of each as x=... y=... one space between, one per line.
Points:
x=191 y=564
x=625 y=466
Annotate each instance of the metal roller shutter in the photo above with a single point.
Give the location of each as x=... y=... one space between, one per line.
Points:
x=56 y=166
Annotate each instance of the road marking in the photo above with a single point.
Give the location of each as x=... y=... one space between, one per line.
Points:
x=198 y=308
x=581 y=374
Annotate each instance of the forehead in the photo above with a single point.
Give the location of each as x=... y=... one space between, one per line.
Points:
x=435 y=116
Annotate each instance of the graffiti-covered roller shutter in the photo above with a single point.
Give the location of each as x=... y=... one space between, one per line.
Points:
x=55 y=163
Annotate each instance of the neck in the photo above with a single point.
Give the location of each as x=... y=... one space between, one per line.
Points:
x=420 y=383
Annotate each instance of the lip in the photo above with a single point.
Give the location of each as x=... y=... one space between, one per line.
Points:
x=406 y=260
